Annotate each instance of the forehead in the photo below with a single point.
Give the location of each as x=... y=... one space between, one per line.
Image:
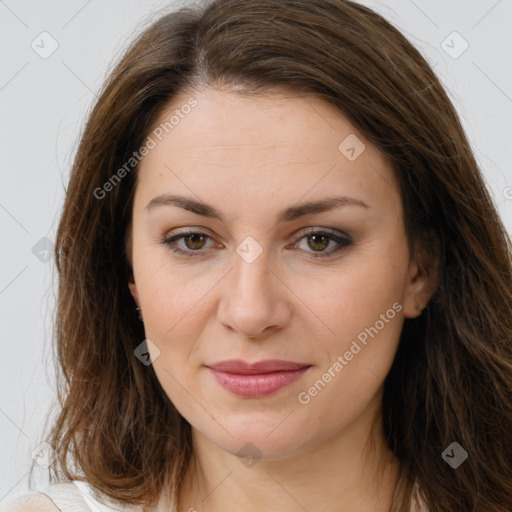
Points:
x=278 y=141
x=230 y=121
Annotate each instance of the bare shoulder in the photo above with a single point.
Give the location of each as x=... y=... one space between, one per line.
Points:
x=35 y=502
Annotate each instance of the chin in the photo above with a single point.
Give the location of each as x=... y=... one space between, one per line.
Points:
x=256 y=436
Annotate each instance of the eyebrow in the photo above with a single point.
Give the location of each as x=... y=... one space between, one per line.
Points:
x=287 y=215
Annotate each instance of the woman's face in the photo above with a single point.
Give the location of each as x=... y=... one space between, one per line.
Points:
x=292 y=254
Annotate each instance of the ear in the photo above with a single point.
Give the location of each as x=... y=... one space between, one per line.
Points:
x=133 y=290
x=423 y=276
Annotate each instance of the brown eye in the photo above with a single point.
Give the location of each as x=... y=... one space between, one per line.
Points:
x=194 y=241
x=317 y=243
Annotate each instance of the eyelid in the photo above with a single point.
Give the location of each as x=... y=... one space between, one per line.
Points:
x=300 y=233
x=342 y=239
x=316 y=229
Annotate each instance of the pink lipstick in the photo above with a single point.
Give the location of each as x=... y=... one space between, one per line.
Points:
x=255 y=380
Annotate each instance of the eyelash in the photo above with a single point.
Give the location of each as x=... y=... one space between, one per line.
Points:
x=342 y=241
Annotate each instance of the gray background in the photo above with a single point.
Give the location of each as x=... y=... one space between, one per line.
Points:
x=44 y=102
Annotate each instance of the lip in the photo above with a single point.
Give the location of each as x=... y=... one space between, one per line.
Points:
x=256 y=380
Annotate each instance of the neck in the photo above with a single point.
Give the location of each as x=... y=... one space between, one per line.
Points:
x=352 y=471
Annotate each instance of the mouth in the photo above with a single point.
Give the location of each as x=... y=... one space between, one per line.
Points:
x=256 y=380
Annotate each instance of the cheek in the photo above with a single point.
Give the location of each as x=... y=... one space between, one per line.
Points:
x=352 y=367
x=353 y=297
x=361 y=304
x=175 y=307
x=167 y=290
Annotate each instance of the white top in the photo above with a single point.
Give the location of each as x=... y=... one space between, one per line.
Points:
x=77 y=496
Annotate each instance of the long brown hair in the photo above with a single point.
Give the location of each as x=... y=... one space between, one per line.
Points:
x=451 y=380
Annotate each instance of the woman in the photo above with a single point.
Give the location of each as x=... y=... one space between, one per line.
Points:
x=283 y=283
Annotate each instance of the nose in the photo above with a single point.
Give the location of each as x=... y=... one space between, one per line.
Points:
x=254 y=302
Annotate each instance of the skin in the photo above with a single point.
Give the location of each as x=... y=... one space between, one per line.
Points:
x=250 y=158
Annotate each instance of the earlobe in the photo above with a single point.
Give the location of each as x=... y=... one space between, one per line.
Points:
x=415 y=302
x=423 y=274
x=419 y=290
x=133 y=290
